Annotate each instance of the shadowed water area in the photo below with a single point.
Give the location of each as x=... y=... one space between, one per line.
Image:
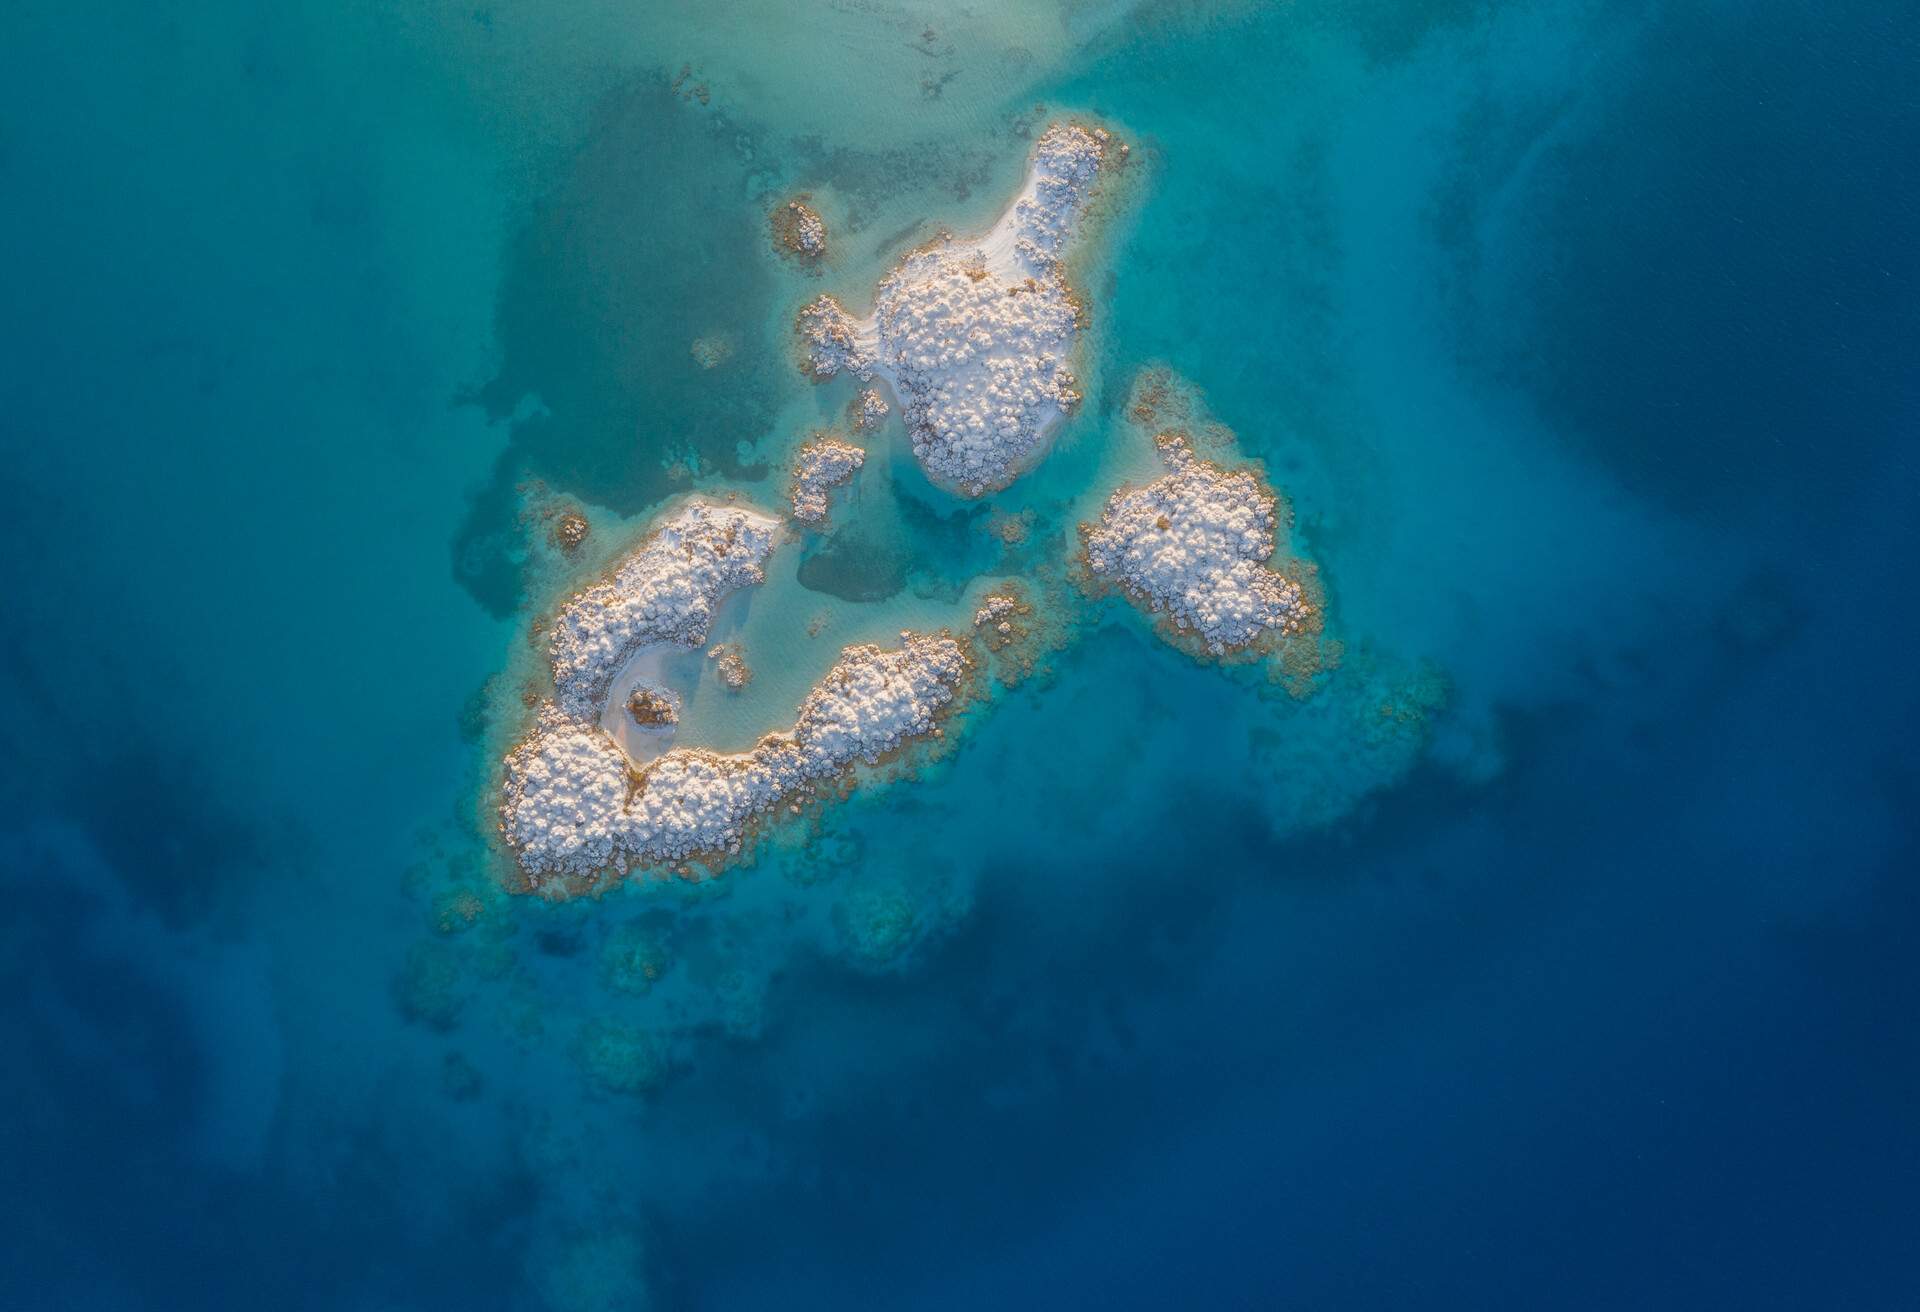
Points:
x=1546 y=943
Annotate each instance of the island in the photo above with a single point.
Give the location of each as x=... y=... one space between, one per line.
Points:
x=580 y=805
x=972 y=340
x=1192 y=546
x=974 y=336
x=823 y=463
x=576 y=811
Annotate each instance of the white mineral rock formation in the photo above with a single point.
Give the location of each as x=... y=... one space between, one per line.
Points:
x=809 y=233
x=874 y=700
x=868 y=409
x=664 y=592
x=730 y=661
x=573 y=806
x=835 y=339
x=973 y=336
x=820 y=466
x=1193 y=545
x=799 y=230
x=653 y=708
x=566 y=787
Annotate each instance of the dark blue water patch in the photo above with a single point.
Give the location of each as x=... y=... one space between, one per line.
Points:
x=111 y=1200
x=1455 y=1118
x=1398 y=29
x=1705 y=291
x=855 y=564
x=1029 y=1015
x=1765 y=612
x=1860 y=955
x=641 y=248
x=867 y=180
x=490 y=550
x=950 y=543
x=1060 y=1068
x=152 y=813
x=1442 y=1057
x=608 y=286
x=101 y=1077
x=938 y=551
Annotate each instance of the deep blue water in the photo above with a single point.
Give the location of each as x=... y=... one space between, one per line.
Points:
x=1585 y=340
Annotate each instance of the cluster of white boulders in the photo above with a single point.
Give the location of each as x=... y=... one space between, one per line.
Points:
x=572 y=806
x=664 y=592
x=996 y=609
x=809 y=233
x=974 y=336
x=567 y=784
x=563 y=805
x=867 y=410
x=799 y=230
x=1066 y=161
x=821 y=465
x=874 y=700
x=1002 y=618
x=1193 y=545
x=730 y=662
x=835 y=340
x=979 y=368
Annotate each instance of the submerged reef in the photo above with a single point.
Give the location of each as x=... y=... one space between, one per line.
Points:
x=998 y=615
x=798 y=231
x=877 y=923
x=624 y=1060
x=823 y=463
x=868 y=410
x=634 y=958
x=570 y=530
x=602 y=1270
x=458 y=910
x=882 y=925
x=1019 y=624
x=713 y=349
x=730 y=662
x=974 y=336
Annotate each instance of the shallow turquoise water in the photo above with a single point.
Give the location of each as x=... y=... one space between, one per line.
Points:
x=1562 y=931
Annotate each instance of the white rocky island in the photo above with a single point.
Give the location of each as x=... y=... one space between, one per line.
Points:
x=973 y=340
x=663 y=593
x=575 y=809
x=577 y=805
x=1192 y=547
x=822 y=464
x=799 y=231
x=974 y=336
